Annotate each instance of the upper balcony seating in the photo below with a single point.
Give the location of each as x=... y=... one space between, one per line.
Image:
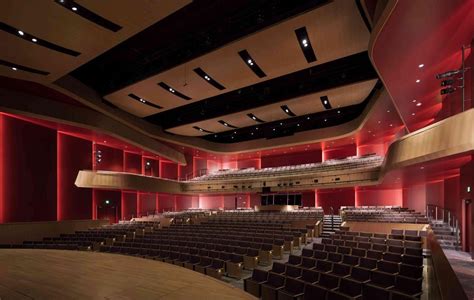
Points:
x=353 y=162
x=389 y=214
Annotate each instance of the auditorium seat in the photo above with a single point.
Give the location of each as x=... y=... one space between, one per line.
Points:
x=278 y=268
x=340 y=270
x=309 y=276
x=323 y=266
x=348 y=289
x=328 y=281
x=293 y=272
x=234 y=265
x=253 y=284
x=382 y=279
x=313 y=291
x=292 y=290
x=407 y=286
x=415 y=272
x=193 y=260
x=367 y=263
x=370 y=292
x=271 y=287
x=216 y=269
x=360 y=275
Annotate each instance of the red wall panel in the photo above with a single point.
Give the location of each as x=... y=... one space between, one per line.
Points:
x=146 y=204
x=29 y=171
x=74 y=154
x=292 y=159
x=168 y=170
x=153 y=169
x=199 y=166
x=336 y=198
x=111 y=210
x=466 y=180
x=166 y=202
x=132 y=163
x=378 y=197
x=339 y=153
x=435 y=193
x=307 y=199
x=230 y=201
x=249 y=163
x=211 y=201
x=112 y=159
x=452 y=199
x=129 y=205
x=186 y=201
x=187 y=170
x=414 y=197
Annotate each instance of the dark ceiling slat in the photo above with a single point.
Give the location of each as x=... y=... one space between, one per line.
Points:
x=344 y=71
x=210 y=24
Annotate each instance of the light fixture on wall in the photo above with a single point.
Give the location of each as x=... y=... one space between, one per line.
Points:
x=98 y=156
x=148 y=165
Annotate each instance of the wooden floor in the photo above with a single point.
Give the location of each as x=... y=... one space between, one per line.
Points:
x=56 y=274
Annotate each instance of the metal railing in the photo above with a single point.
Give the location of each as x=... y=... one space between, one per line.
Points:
x=437 y=214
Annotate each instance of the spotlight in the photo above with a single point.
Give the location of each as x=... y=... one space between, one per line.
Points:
x=147 y=165
x=107 y=201
x=418 y=81
x=34 y=40
x=448 y=74
x=448 y=90
x=421 y=66
x=74 y=8
x=447 y=82
x=14 y=69
x=21 y=32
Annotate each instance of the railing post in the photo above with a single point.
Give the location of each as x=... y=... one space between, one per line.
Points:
x=449 y=219
x=436 y=213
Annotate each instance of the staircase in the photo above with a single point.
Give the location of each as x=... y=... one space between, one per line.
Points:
x=445 y=235
x=328 y=229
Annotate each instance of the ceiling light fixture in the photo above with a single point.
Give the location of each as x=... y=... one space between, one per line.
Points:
x=421 y=66
x=418 y=104
x=21 y=32
x=414 y=101
x=418 y=81
x=74 y=8
x=34 y=40
x=14 y=69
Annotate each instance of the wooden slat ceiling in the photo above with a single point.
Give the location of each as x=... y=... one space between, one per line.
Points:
x=338 y=97
x=335 y=30
x=52 y=22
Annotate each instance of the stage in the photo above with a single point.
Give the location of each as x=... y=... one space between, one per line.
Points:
x=57 y=274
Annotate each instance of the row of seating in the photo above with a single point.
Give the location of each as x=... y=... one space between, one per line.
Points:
x=367 y=249
x=326 y=166
x=359 y=284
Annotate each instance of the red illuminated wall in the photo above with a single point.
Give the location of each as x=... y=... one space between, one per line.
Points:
x=166 y=202
x=378 y=149
x=146 y=203
x=132 y=163
x=308 y=199
x=467 y=180
x=339 y=153
x=29 y=171
x=112 y=159
x=211 y=201
x=129 y=205
x=249 y=163
x=336 y=198
x=109 y=211
x=414 y=197
x=153 y=169
x=74 y=154
x=168 y=170
x=292 y=159
x=186 y=201
x=378 y=197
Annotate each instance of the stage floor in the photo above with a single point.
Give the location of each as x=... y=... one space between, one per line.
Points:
x=56 y=274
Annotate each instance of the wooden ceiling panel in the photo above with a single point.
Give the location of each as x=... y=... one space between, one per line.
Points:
x=336 y=30
x=56 y=24
x=338 y=97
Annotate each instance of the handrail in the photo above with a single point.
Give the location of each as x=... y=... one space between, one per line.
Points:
x=438 y=213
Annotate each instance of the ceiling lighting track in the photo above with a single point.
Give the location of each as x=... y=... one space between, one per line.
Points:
x=250 y=62
x=305 y=44
x=325 y=102
x=208 y=79
x=288 y=111
x=89 y=15
x=141 y=100
x=227 y=124
x=16 y=67
x=202 y=130
x=253 y=117
x=36 y=40
x=173 y=91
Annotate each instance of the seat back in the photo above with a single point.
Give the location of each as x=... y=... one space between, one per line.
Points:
x=259 y=275
x=307 y=252
x=294 y=260
x=309 y=276
x=360 y=274
x=320 y=254
x=278 y=268
x=292 y=271
x=341 y=269
x=275 y=280
x=312 y=292
x=294 y=285
x=323 y=266
x=308 y=263
x=350 y=287
x=328 y=281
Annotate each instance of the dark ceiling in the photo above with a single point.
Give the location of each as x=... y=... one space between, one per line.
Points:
x=196 y=29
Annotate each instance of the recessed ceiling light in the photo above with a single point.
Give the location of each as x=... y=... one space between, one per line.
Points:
x=421 y=66
x=379 y=122
x=281 y=123
x=388 y=110
x=418 y=104
x=307 y=118
x=325 y=120
x=325 y=102
x=20 y=32
x=414 y=101
x=391 y=125
x=422 y=167
x=412 y=114
x=34 y=40
x=298 y=125
x=14 y=69
x=418 y=81
x=274 y=129
x=74 y=8
x=338 y=111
